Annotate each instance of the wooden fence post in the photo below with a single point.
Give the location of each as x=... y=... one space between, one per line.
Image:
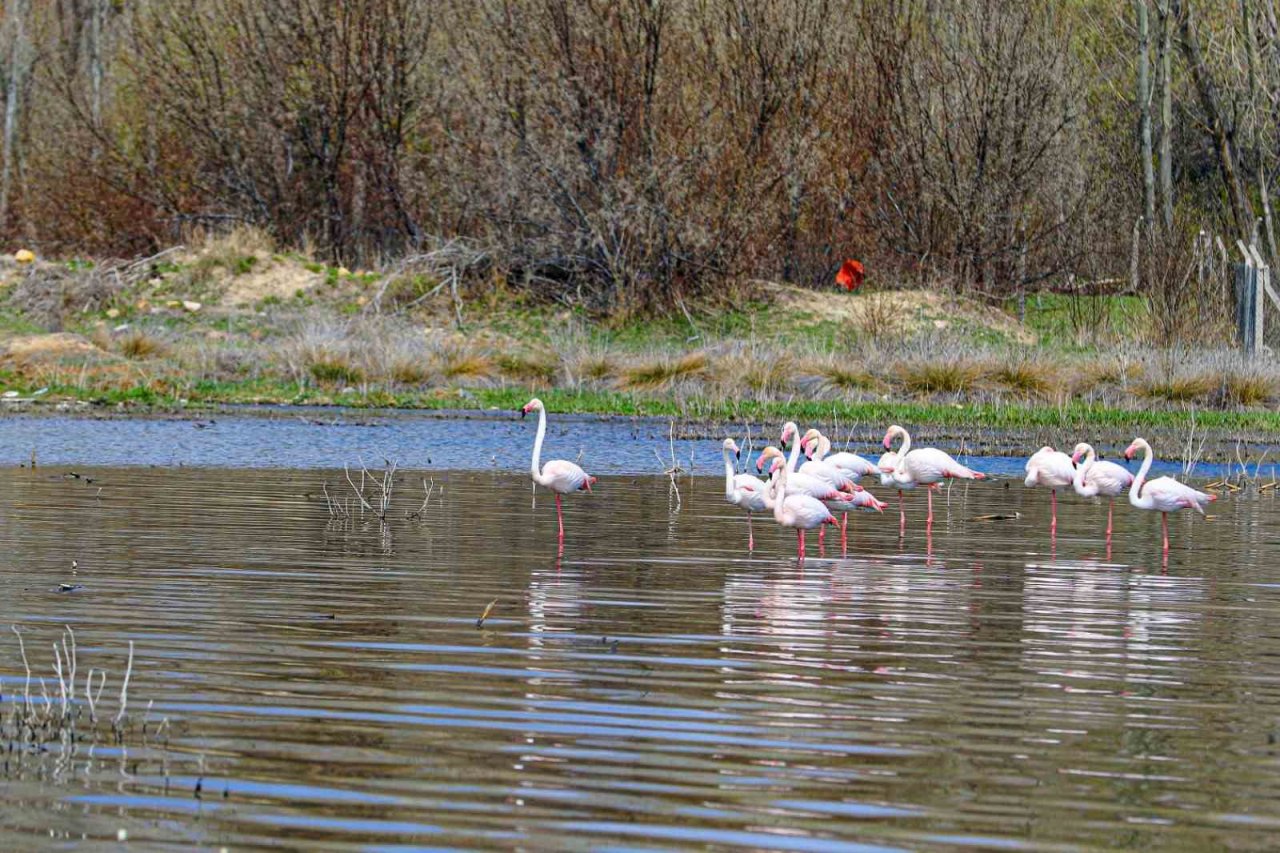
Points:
x=1246 y=287
x=1262 y=284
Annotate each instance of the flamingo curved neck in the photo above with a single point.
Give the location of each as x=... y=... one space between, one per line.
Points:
x=728 y=475
x=905 y=447
x=537 y=445
x=779 y=495
x=795 y=455
x=1090 y=457
x=1135 y=490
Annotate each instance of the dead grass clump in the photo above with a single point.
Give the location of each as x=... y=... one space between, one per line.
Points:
x=408 y=371
x=458 y=362
x=1112 y=373
x=529 y=367
x=1027 y=377
x=761 y=373
x=940 y=377
x=139 y=345
x=334 y=367
x=663 y=371
x=1248 y=389
x=845 y=378
x=1179 y=389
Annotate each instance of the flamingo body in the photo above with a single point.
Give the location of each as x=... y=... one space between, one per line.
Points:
x=559 y=475
x=1053 y=470
x=743 y=490
x=924 y=466
x=800 y=512
x=1098 y=477
x=1163 y=494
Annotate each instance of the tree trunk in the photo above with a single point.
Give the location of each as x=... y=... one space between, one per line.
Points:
x=1259 y=143
x=1165 y=86
x=1222 y=131
x=1144 y=112
x=18 y=59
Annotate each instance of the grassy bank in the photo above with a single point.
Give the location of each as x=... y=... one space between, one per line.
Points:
x=232 y=322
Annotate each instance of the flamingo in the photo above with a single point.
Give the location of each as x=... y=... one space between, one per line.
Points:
x=1054 y=470
x=1096 y=477
x=558 y=475
x=925 y=466
x=799 y=483
x=1164 y=494
x=853 y=465
x=743 y=490
x=888 y=462
x=792 y=510
x=816 y=446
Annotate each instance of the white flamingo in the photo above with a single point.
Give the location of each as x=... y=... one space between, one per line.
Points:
x=888 y=462
x=1163 y=494
x=803 y=484
x=925 y=466
x=743 y=490
x=1053 y=470
x=1099 y=477
x=798 y=511
x=854 y=466
x=558 y=475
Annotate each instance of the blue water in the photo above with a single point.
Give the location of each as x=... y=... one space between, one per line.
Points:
x=327 y=438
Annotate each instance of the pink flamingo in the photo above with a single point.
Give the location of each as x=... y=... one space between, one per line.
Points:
x=816 y=446
x=925 y=466
x=1099 y=477
x=799 y=483
x=558 y=475
x=743 y=490
x=1164 y=494
x=799 y=511
x=1054 y=470
x=888 y=462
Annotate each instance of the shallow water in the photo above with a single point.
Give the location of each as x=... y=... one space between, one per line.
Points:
x=327 y=686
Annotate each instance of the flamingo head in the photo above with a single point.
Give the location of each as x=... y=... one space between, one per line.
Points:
x=730 y=444
x=889 y=434
x=769 y=452
x=534 y=405
x=1132 y=449
x=777 y=463
x=1079 y=452
x=810 y=438
x=586 y=484
x=789 y=430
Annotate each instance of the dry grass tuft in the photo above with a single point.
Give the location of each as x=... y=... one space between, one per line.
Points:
x=845 y=378
x=408 y=371
x=1179 y=389
x=335 y=367
x=1027 y=377
x=460 y=362
x=139 y=345
x=529 y=367
x=1248 y=389
x=940 y=377
x=663 y=371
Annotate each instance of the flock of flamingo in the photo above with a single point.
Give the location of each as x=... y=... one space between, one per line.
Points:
x=804 y=497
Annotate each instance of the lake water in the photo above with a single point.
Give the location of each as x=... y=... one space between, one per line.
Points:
x=322 y=683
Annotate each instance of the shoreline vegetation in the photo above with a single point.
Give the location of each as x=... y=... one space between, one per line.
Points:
x=230 y=321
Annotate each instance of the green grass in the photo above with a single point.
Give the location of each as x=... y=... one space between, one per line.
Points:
x=1055 y=317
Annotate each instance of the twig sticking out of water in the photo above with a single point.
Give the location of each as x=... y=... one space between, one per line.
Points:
x=674 y=470
x=485 y=615
x=1192 y=452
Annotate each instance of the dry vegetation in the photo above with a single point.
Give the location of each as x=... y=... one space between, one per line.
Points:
x=645 y=157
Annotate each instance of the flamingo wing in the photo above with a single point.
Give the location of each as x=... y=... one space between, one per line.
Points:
x=1109 y=478
x=1169 y=495
x=1048 y=467
x=854 y=465
x=805 y=512
x=563 y=476
x=750 y=492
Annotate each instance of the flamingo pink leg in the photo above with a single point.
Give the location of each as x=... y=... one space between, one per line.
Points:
x=800 y=545
x=1053 y=524
x=929 y=523
x=822 y=536
x=1110 y=509
x=844 y=531
x=751 y=535
x=1164 y=525
x=560 y=516
x=902 y=516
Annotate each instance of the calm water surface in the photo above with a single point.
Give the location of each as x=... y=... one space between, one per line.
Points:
x=326 y=685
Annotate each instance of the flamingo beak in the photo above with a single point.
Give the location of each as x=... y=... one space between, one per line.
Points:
x=887 y=445
x=1075 y=458
x=523 y=412
x=737 y=454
